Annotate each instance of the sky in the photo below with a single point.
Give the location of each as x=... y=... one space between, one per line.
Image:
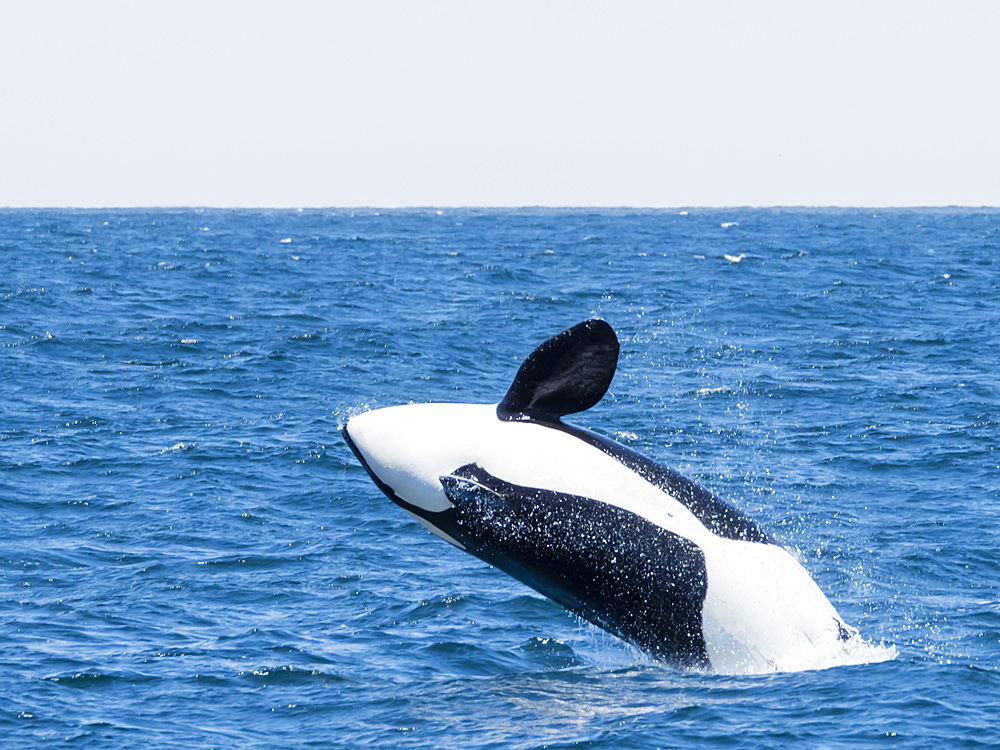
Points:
x=463 y=103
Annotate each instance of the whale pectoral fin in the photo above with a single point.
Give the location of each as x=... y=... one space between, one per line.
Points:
x=566 y=374
x=482 y=513
x=464 y=491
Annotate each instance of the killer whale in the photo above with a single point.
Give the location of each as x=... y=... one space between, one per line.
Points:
x=606 y=532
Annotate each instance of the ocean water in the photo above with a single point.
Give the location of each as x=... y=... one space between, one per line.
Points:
x=190 y=555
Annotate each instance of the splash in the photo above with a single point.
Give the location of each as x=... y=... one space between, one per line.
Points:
x=853 y=652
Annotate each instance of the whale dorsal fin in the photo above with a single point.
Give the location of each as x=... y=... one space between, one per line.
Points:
x=568 y=373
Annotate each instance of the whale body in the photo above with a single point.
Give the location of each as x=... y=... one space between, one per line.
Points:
x=611 y=535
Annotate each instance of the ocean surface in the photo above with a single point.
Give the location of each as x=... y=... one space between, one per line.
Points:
x=191 y=557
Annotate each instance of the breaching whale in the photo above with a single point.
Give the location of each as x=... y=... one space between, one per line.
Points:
x=611 y=535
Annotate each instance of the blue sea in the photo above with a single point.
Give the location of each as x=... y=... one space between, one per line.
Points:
x=191 y=557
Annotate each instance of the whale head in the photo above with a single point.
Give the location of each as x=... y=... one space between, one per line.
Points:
x=406 y=449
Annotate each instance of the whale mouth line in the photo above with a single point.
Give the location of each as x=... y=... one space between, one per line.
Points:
x=386 y=488
x=389 y=492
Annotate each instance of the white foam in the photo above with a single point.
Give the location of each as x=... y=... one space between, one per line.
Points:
x=177 y=447
x=712 y=391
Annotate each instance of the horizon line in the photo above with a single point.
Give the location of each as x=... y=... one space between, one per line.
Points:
x=484 y=207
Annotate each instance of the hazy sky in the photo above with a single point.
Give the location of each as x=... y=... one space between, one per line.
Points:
x=501 y=103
